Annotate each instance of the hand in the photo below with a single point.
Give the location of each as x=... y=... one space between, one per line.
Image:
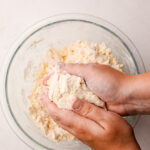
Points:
x=107 y=83
x=99 y=129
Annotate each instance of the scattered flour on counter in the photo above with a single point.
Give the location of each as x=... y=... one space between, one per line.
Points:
x=64 y=88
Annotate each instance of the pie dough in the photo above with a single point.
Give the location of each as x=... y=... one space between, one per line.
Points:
x=64 y=88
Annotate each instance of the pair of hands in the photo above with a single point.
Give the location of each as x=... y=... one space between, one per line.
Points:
x=99 y=129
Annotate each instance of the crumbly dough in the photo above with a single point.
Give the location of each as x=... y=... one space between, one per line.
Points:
x=68 y=87
x=65 y=88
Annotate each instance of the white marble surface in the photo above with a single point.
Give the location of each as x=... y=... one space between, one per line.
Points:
x=131 y=16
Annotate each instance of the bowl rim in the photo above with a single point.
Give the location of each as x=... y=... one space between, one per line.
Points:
x=30 y=31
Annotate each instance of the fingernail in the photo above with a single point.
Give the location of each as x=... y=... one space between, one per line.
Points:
x=77 y=105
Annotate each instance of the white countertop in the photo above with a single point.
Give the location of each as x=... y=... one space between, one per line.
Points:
x=131 y=16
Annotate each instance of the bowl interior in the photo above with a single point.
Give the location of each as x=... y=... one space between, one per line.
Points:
x=28 y=55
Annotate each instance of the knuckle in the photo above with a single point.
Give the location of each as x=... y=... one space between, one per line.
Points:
x=110 y=127
x=86 y=109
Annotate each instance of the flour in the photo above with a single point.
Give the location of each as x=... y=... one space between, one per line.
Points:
x=65 y=88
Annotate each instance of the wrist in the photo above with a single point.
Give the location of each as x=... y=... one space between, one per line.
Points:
x=136 y=100
x=127 y=88
x=128 y=97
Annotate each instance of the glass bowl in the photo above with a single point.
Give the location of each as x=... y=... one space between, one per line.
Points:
x=25 y=56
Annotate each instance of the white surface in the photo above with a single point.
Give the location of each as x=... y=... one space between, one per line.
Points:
x=131 y=16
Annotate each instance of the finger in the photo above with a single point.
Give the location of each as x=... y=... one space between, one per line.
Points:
x=119 y=109
x=74 y=69
x=45 y=99
x=91 y=111
x=72 y=122
x=45 y=80
x=123 y=109
x=44 y=95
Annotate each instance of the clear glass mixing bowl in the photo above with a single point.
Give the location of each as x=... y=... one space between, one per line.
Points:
x=26 y=53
